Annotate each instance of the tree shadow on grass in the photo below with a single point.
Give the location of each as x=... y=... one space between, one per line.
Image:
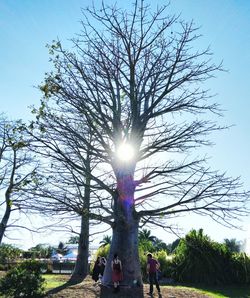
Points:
x=75 y=286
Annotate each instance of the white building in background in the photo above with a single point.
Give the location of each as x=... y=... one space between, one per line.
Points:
x=56 y=257
x=72 y=253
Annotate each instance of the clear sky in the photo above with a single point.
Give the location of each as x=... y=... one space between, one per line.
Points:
x=26 y=26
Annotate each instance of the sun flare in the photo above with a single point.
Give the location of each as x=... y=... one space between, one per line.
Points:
x=125 y=152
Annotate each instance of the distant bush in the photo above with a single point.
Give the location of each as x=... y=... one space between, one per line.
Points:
x=8 y=253
x=143 y=262
x=165 y=263
x=240 y=268
x=199 y=260
x=24 y=280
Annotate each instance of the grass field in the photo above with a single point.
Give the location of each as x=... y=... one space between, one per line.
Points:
x=54 y=281
x=222 y=292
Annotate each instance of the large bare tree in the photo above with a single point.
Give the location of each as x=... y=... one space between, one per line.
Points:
x=135 y=79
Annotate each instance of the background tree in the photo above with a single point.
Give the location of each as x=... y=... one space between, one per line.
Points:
x=145 y=234
x=232 y=244
x=67 y=176
x=106 y=240
x=150 y=243
x=160 y=245
x=174 y=245
x=9 y=253
x=138 y=83
x=18 y=173
x=39 y=251
x=62 y=248
x=73 y=240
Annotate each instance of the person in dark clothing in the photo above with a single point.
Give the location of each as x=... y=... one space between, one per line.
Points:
x=152 y=267
x=117 y=275
x=97 y=269
x=103 y=265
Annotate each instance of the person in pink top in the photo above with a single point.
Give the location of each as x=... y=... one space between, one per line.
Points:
x=152 y=267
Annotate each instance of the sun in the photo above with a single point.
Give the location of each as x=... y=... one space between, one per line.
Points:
x=125 y=152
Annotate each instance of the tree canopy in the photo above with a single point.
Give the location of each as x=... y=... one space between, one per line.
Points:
x=133 y=78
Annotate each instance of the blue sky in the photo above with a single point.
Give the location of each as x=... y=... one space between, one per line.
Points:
x=26 y=26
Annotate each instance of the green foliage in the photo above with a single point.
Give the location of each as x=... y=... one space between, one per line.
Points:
x=161 y=256
x=172 y=247
x=146 y=245
x=148 y=242
x=145 y=235
x=74 y=240
x=160 y=245
x=39 y=251
x=24 y=280
x=102 y=251
x=240 y=268
x=143 y=261
x=8 y=253
x=200 y=260
x=106 y=240
x=165 y=262
x=232 y=245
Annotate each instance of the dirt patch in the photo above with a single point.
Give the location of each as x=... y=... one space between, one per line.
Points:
x=87 y=289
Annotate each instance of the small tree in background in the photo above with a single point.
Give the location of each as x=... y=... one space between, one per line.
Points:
x=62 y=248
x=106 y=240
x=73 y=240
x=40 y=251
x=232 y=244
x=172 y=247
x=8 y=253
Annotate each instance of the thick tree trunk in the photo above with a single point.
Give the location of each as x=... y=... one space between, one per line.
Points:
x=81 y=269
x=125 y=234
x=125 y=244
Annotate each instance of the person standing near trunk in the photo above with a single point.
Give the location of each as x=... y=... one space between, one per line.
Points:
x=117 y=275
x=152 y=267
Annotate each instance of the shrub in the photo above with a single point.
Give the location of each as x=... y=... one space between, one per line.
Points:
x=24 y=280
x=8 y=253
x=240 y=268
x=143 y=262
x=200 y=260
x=165 y=263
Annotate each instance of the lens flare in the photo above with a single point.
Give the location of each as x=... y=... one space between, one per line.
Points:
x=125 y=152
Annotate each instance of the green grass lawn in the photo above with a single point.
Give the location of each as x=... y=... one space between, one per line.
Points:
x=224 y=291
x=53 y=281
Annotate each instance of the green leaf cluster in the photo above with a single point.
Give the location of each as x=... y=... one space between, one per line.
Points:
x=199 y=260
x=24 y=280
x=8 y=253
